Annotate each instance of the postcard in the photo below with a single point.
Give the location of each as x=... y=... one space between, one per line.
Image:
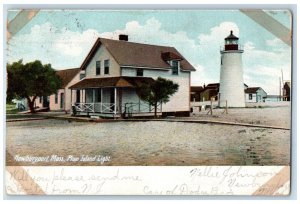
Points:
x=148 y=102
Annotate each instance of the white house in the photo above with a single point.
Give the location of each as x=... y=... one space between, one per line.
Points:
x=255 y=94
x=61 y=101
x=114 y=68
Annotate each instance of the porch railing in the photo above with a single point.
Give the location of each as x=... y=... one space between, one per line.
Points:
x=95 y=107
x=127 y=108
x=140 y=107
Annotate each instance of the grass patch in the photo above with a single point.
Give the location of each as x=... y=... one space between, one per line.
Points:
x=11 y=108
x=21 y=116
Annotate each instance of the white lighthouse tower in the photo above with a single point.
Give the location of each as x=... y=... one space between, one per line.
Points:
x=231 y=77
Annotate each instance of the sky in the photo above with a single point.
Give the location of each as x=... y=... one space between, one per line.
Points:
x=63 y=38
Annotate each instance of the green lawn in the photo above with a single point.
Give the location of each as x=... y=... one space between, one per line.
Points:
x=11 y=108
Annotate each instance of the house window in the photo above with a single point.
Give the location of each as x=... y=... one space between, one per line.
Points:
x=40 y=99
x=56 y=98
x=98 y=67
x=250 y=96
x=175 y=65
x=81 y=76
x=106 y=66
x=139 y=72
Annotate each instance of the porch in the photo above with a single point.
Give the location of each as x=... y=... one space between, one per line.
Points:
x=127 y=110
x=111 y=97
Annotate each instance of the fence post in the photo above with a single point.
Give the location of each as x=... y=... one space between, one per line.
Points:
x=226 y=108
x=139 y=106
x=211 y=106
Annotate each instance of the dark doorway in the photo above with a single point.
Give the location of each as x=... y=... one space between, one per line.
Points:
x=78 y=96
x=62 y=99
x=45 y=102
x=112 y=99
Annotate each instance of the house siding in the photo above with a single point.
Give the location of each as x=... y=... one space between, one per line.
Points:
x=37 y=102
x=102 y=54
x=52 y=104
x=68 y=99
x=256 y=97
x=180 y=100
x=253 y=100
x=261 y=94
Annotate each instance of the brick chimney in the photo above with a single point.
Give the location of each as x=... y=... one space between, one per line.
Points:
x=123 y=37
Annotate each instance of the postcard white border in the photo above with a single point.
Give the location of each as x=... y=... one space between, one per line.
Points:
x=294 y=145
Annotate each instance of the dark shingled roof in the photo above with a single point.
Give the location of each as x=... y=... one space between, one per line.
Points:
x=112 y=82
x=252 y=89
x=196 y=88
x=67 y=75
x=231 y=36
x=139 y=55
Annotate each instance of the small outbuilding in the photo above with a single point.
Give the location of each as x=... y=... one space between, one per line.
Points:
x=255 y=94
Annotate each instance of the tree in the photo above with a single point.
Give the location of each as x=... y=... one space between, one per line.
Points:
x=158 y=91
x=31 y=80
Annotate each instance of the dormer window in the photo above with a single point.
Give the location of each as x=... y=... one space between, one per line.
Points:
x=140 y=72
x=175 y=66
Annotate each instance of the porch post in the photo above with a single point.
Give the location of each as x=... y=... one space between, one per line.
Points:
x=101 y=100
x=71 y=97
x=115 y=107
x=93 y=95
x=81 y=95
x=139 y=105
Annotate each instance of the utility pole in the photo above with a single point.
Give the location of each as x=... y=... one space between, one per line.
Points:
x=279 y=89
x=282 y=86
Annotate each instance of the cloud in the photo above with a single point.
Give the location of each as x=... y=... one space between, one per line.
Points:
x=200 y=76
x=72 y=44
x=263 y=67
x=51 y=45
x=217 y=34
x=65 y=48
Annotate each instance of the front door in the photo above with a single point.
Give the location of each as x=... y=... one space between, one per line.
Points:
x=62 y=99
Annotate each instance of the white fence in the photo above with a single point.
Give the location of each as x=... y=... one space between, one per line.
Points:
x=95 y=107
x=110 y=108
x=252 y=104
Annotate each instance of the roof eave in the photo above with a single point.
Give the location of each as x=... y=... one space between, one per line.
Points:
x=90 y=54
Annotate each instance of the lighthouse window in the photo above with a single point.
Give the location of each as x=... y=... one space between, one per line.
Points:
x=221 y=61
x=175 y=66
